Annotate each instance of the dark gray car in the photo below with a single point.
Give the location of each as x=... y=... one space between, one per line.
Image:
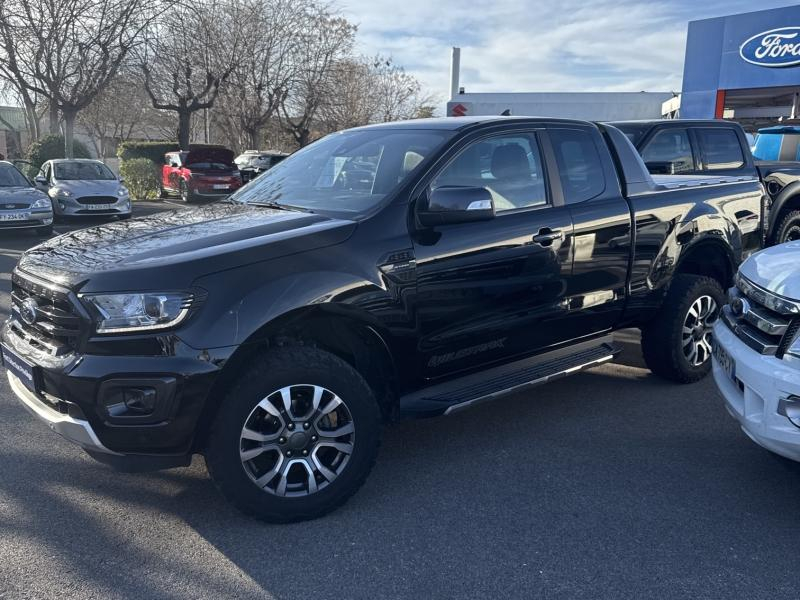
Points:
x=22 y=206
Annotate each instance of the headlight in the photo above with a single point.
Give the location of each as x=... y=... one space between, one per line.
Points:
x=42 y=203
x=121 y=313
x=122 y=192
x=61 y=193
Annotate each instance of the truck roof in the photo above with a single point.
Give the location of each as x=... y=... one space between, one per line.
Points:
x=457 y=123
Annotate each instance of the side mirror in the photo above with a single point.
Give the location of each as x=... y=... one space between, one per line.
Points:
x=174 y=165
x=122 y=180
x=452 y=205
x=40 y=180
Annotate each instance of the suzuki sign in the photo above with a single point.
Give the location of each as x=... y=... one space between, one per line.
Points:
x=773 y=48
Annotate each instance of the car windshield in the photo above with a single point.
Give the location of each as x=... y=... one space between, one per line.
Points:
x=10 y=177
x=344 y=173
x=82 y=171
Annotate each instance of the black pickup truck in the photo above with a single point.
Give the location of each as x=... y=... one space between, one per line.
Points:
x=716 y=147
x=402 y=270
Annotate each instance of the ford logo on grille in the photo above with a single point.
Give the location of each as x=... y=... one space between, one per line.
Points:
x=28 y=311
x=773 y=48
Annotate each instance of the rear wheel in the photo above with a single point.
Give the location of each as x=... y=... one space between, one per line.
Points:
x=788 y=229
x=296 y=437
x=677 y=343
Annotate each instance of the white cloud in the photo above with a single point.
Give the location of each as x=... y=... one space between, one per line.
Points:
x=527 y=45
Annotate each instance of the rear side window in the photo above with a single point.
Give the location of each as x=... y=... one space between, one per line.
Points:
x=721 y=149
x=579 y=164
x=669 y=152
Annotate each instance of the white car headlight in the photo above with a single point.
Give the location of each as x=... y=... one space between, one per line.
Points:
x=122 y=313
x=122 y=192
x=42 y=203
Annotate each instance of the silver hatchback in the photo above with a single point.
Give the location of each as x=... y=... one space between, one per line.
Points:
x=80 y=187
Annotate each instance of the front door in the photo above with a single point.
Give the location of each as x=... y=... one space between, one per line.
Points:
x=494 y=290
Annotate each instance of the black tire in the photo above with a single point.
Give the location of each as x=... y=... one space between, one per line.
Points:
x=663 y=338
x=788 y=227
x=45 y=231
x=186 y=194
x=162 y=193
x=268 y=373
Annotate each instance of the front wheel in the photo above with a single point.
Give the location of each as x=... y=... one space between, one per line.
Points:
x=186 y=194
x=676 y=344
x=296 y=437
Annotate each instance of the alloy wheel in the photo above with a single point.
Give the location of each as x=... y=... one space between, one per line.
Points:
x=297 y=440
x=696 y=332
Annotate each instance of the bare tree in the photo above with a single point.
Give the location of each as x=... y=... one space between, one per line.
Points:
x=322 y=42
x=396 y=94
x=260 y=81
x=117 y=113
x=68 y=51
x=190 y=52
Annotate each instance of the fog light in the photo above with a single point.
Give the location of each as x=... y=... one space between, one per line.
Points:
x=132 y=401
x=790 y=408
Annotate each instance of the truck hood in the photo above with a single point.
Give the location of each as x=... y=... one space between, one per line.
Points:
x=173 y=248
x=775 y=269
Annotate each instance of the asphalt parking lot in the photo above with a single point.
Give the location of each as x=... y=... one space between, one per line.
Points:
x=610 y=484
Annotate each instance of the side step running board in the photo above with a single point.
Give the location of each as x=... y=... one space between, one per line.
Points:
x=451 y=396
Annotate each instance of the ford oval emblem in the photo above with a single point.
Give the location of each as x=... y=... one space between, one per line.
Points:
x=28 y=310
x=773 y=48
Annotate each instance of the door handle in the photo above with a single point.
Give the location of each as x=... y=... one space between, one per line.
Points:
x=547 y=236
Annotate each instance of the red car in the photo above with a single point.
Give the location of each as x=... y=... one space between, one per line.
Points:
x=203 y=173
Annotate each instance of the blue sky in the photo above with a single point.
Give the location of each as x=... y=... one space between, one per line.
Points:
x=548 y=45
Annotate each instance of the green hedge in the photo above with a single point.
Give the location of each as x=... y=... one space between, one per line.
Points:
x=50 y=147
x=153 y=151
x=141 y=176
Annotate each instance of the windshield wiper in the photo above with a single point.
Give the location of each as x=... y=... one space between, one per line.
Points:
x=279 y=206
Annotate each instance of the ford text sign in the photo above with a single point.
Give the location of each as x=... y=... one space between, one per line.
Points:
x=773 y=48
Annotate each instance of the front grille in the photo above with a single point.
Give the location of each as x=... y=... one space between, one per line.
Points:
x=57 y=325
x=17 y=206
x=763 y=328
x=91 y=200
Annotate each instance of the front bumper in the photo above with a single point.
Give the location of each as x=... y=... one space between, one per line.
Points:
x=25 y=218
x=72 y=207
x=78 y=431
x=78 y=394
x=759 y=395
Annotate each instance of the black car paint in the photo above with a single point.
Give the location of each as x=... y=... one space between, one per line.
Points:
x=435 y=302
x=781 y=179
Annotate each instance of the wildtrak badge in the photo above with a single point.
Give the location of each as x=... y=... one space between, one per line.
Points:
x=773 y=48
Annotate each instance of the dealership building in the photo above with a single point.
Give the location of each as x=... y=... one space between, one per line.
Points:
x=743 y=67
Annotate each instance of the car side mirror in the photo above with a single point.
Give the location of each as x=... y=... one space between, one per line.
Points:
x=452 y=205
x=122 y=180
x=40 y=180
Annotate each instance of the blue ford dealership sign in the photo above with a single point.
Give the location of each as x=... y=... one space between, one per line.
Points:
x=773 y=48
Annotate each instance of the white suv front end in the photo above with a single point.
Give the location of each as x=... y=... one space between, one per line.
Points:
x=756 y=358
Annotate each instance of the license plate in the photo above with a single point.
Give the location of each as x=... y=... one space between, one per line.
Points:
x=724 y=360
x=27 y=373
x=14 y=217
x=101 y=206
x=221 y=186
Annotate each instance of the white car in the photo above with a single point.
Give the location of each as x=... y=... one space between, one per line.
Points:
x=756 y=356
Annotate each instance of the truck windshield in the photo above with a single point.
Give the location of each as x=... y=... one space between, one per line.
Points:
x=344 y=173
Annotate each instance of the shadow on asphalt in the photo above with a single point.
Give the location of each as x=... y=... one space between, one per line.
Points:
x=590 y=487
